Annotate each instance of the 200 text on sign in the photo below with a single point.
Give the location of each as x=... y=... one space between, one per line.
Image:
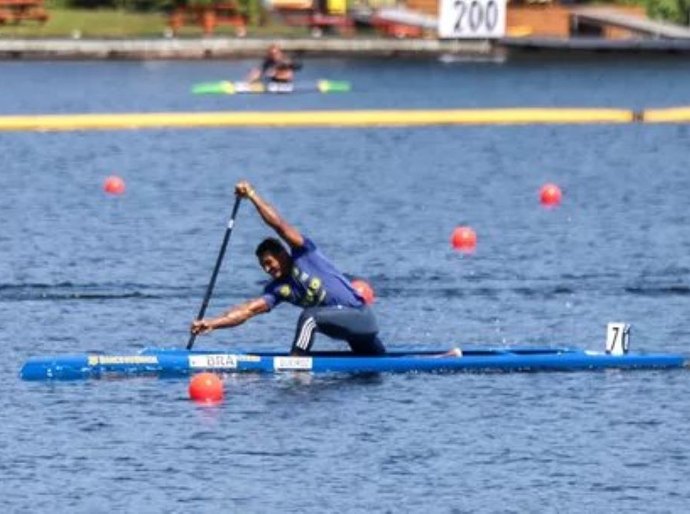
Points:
x=472 y=19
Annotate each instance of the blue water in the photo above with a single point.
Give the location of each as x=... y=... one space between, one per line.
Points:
x=82 y=271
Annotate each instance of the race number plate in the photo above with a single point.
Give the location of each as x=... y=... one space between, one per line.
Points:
x=472 y=19
x=617 y=338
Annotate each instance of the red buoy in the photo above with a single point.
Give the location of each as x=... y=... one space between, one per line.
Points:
x=364 y=290
x=550 y=195
x=206 y=388
x=114 y=185
x=464 y=239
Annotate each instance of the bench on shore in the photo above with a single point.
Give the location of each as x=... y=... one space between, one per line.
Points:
x=317 y=15
x=209 y=17
x=16 y=11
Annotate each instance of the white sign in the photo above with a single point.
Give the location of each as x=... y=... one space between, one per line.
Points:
x=617 y=338
x=472 y=19
x=213 y=361
x=292 y=363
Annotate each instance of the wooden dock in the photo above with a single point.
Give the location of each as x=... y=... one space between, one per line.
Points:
x=641 y=26
x=223 y=48
x=598 y=45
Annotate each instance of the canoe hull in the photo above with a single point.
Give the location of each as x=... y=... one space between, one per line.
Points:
x=176 y=362
x=236 y=88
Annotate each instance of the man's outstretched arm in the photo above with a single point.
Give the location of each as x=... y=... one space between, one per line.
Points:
x=287 y=232
x=235 y=316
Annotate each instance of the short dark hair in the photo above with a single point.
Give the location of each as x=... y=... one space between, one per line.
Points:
x=270 y=245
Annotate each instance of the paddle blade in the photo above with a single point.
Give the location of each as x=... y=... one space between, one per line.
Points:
x=333 y=86
x=214 y=88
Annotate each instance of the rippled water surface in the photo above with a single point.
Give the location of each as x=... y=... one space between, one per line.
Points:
x=81 y=271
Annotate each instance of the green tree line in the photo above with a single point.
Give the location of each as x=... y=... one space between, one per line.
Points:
x=673 y=10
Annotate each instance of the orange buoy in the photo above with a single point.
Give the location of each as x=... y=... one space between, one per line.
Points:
x=206 y=388
x=114 y=185
x=464 y=239
x=550 y=195
x=364 y=290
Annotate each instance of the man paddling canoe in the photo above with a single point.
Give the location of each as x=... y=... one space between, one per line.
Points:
x=303 y=277
x=276 y=67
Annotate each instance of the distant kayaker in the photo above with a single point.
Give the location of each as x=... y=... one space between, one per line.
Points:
x=303 y=277
x=276 y=67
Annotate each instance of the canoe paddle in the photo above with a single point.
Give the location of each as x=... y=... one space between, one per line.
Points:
x=219 y=261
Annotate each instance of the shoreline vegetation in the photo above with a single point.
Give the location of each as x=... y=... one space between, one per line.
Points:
x=122 y=23
x=150 y=19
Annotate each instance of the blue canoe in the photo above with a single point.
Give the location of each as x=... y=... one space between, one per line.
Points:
x=178 y=362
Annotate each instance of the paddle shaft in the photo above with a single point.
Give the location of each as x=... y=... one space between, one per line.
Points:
x=216 y=269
